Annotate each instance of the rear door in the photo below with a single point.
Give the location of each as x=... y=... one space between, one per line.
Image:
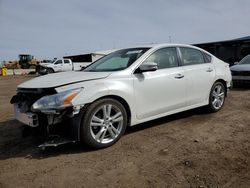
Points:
x=67 y=66
x=199 y=72
x=163 y=90
x=58 y=66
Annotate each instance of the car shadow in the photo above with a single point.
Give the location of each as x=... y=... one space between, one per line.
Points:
x=14 y=144
x=166 y=119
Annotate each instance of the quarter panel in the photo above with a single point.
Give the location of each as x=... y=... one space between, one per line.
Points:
x=223 y=72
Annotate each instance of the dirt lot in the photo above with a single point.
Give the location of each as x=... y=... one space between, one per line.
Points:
x=190 y=149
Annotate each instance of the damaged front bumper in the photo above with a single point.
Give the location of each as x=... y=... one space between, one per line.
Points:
x=56 y=126
x=28 y=118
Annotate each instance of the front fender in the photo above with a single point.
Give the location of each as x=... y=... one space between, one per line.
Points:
x=90 y=93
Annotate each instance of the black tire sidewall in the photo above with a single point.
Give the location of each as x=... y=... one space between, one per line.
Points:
x=50 y=70
x=86 y=136
x=211 y=107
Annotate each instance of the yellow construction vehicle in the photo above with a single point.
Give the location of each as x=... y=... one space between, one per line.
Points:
x=27 y=61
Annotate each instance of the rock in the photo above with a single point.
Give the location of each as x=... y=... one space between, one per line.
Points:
x=196 y=140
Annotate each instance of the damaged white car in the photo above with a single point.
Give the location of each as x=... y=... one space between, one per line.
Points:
x=125 y=88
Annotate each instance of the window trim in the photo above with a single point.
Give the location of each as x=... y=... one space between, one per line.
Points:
x=203 y=55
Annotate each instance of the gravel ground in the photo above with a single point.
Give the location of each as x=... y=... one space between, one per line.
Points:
x=189 y=149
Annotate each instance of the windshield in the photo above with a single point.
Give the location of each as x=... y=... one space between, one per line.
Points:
x=47 y=61
x=53 y=61
x=118 y=60
x=245 y=60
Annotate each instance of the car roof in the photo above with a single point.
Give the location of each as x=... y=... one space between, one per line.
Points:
x=163 y=45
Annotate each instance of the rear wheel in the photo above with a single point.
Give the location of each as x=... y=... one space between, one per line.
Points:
x=217 y=97
x=104 y=122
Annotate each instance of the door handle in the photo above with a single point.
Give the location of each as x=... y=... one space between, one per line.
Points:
x=210 y=69
x=179 y=76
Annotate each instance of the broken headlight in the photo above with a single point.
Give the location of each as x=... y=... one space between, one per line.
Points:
x=57 y=101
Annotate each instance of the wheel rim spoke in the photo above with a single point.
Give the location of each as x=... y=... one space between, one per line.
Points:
x=214 y=94
x=221 y=95
x=114 y=129
x=96 y=124
x=96 y=119
x=99 y=134
x=214 y=102
x=218 y=89
x=104 y=110
x=103 y=135
x=117 y=117
x=109 y=107
x=112 y=134
x=219 y=102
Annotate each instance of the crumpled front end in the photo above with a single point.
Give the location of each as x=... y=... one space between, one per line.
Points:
x=47 y=111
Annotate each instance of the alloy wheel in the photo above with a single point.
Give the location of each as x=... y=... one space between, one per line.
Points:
x=106 y=123
x=218 y=96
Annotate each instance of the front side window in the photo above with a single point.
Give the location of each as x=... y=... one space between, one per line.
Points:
x=116 y=61
x=165 y=58
x=191 y=56
x=58 y=62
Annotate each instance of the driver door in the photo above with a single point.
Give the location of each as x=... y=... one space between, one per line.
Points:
x=161 y=91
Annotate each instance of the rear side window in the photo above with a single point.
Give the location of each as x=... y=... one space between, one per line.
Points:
x=165 y=58
x=207 y=57
x=191 y=56
x=66 y=61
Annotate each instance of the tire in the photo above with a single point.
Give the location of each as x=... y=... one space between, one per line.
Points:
x=97 y=132
x=49 y=71
x=217 y=97
x=25 y=66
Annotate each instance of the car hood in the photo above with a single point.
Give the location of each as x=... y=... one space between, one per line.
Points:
x=45 y=64
x=64 y=78
x=240 y=67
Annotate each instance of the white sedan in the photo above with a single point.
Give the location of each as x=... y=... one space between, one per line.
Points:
x=125 y=88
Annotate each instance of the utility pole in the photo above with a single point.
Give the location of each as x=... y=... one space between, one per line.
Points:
x=170 y=39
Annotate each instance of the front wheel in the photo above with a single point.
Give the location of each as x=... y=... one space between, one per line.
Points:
x=49 y=71
x=217 y=97
x=104 y=122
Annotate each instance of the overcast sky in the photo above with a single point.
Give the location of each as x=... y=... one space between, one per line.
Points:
x=53 y=28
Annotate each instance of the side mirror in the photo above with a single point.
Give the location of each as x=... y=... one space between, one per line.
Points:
x=146 y=67
x=236 y=63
